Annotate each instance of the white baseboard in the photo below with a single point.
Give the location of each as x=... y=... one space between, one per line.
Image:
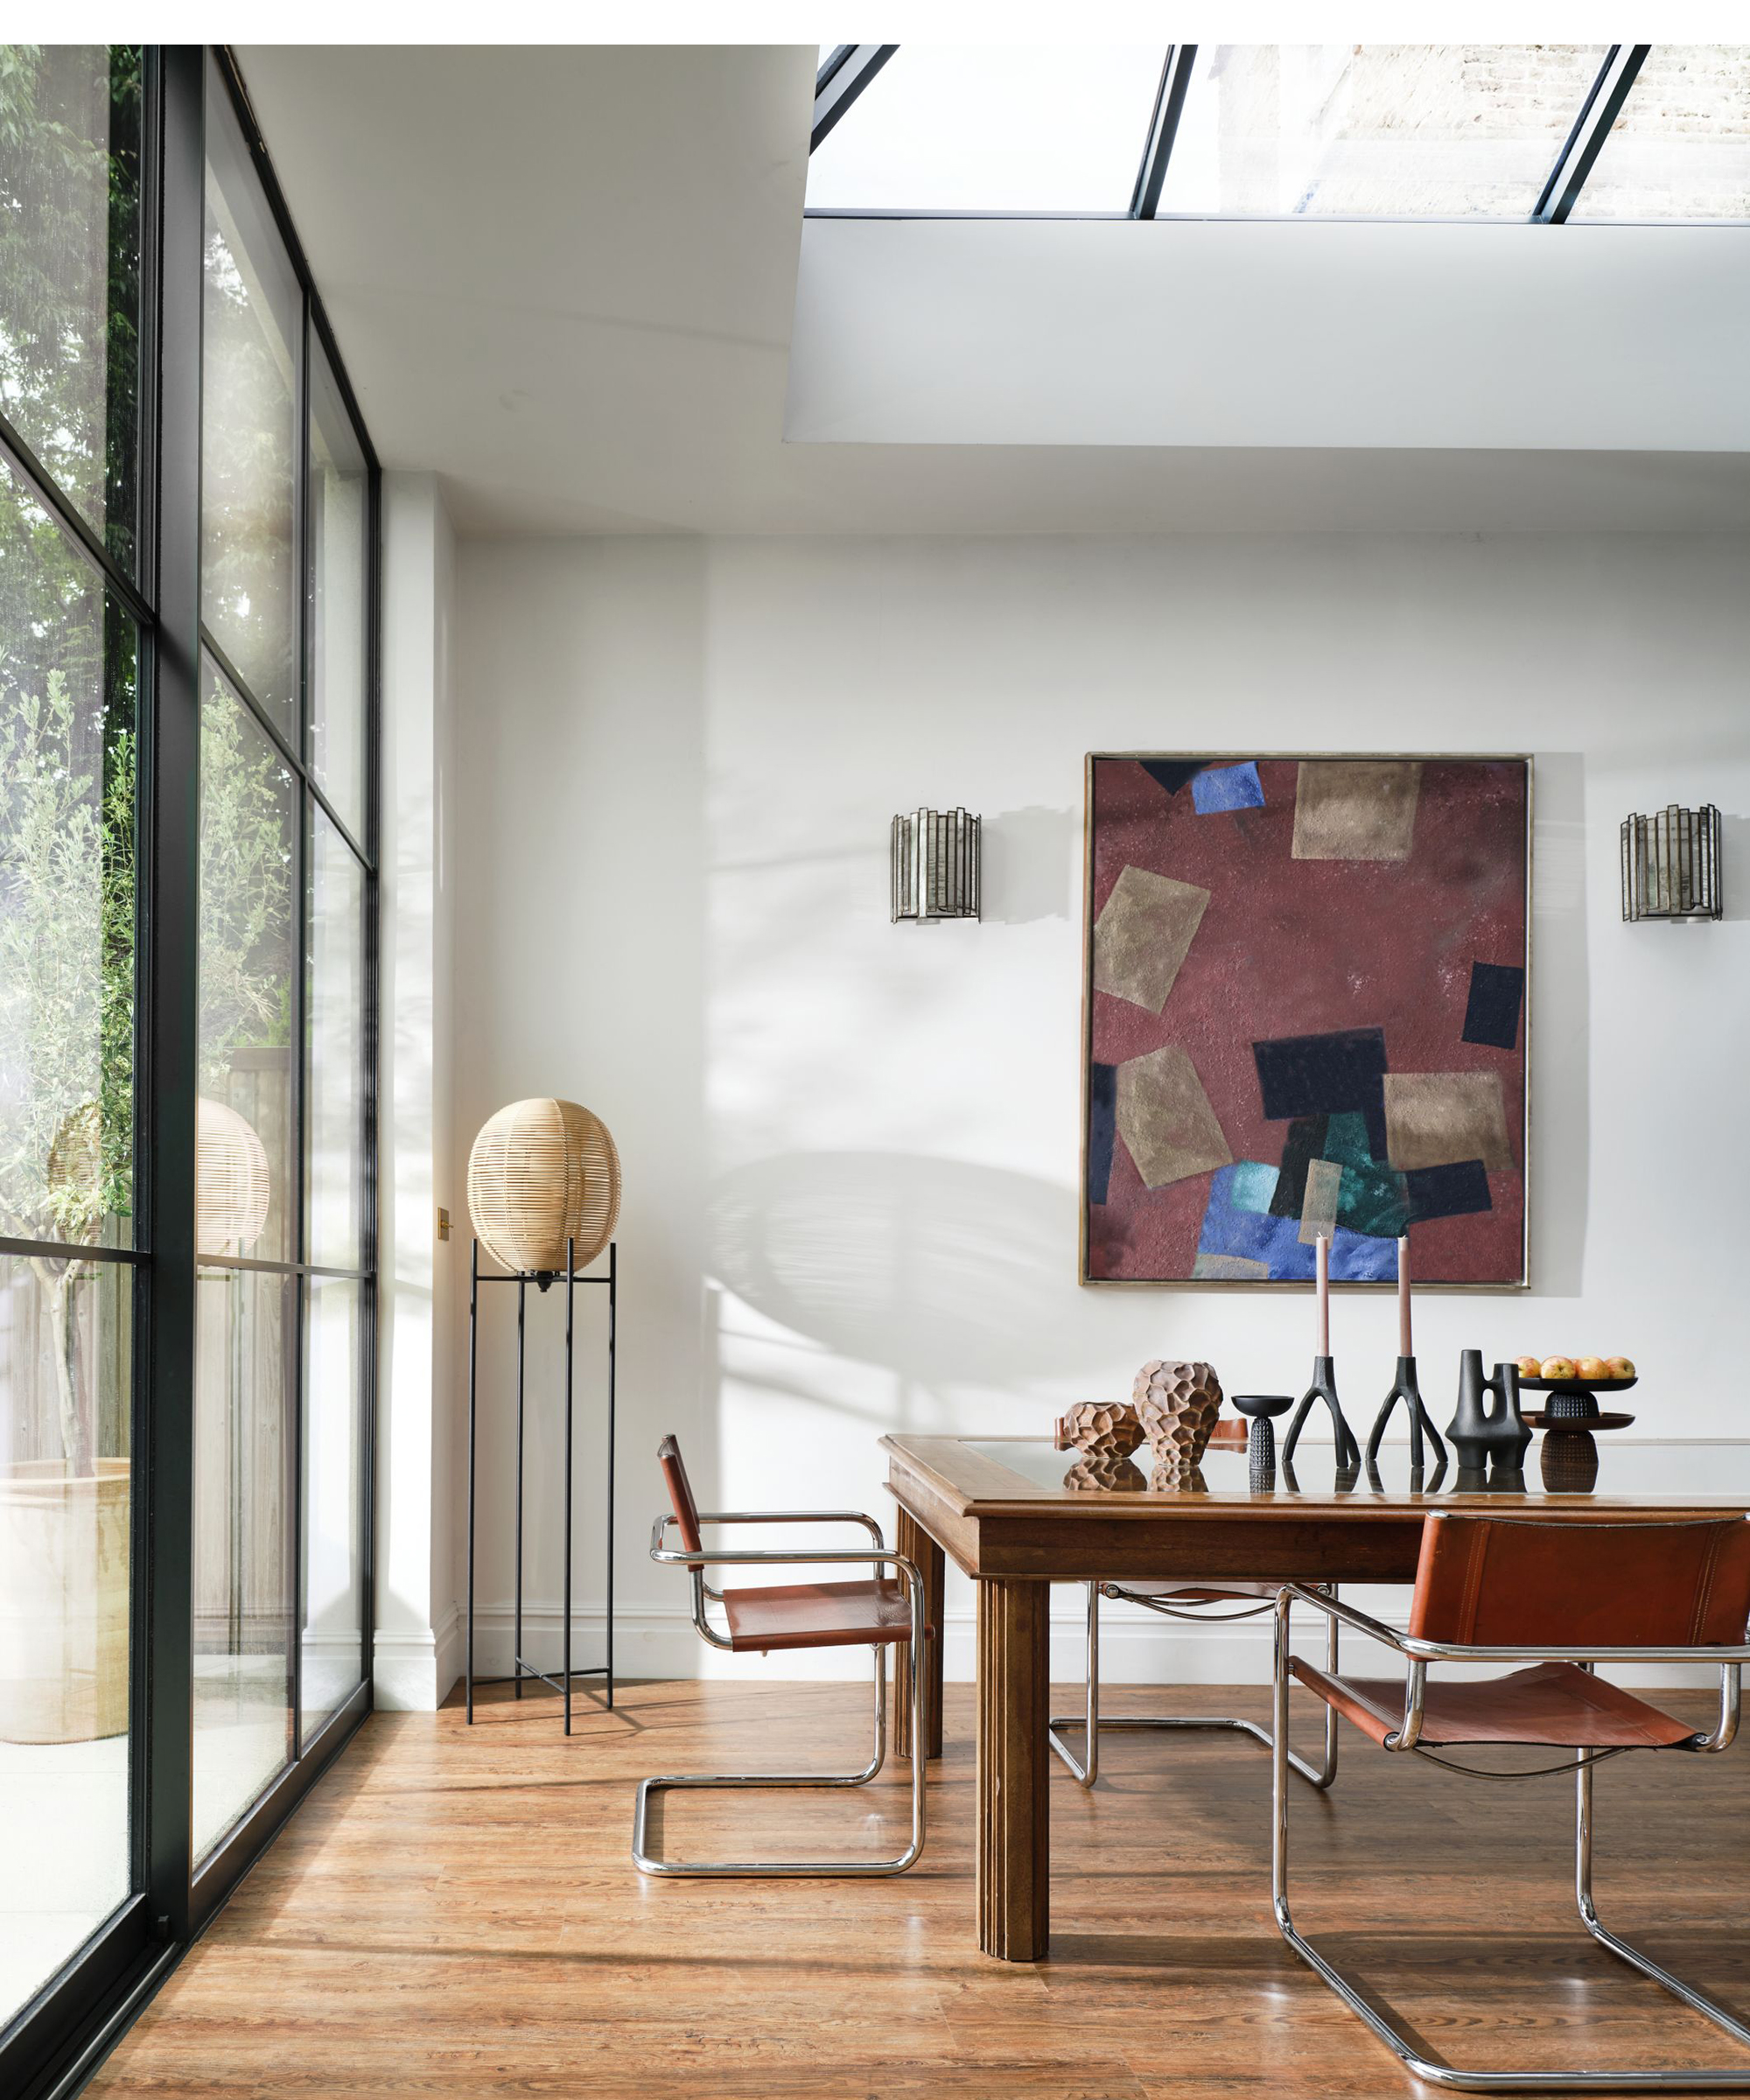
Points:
x=415 y=1667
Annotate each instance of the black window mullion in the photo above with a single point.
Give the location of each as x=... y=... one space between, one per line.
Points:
x=1169 y=105
x=282 y=748
x=1599 y=113
x=66 y=512
x=169 y=999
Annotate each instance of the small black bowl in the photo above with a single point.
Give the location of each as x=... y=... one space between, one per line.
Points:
x=1263 y=1404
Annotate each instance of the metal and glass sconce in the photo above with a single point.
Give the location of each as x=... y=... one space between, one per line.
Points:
x=935 y=865
x=1670 y=864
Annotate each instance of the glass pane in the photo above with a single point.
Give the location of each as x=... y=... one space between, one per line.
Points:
x=67 y=667
x=1681 y=148
x=66 y=1377
x=70 y=269
x=252 y=317
x=245 y=1326
x=336 y=1022
x=333 y=1575
x=1361 y=131
x=338 y=588
x=245 y=1189
x=967 y=127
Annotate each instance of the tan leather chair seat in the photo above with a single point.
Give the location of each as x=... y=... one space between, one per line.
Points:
x=1554 y=1706
x=819 y=1615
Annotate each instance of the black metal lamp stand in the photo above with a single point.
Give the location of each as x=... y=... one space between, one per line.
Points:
x=570 y=1278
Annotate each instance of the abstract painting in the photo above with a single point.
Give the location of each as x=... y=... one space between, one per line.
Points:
x=1305 y=1010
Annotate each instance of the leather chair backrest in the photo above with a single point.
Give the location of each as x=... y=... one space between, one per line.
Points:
x=680 y=1494
x=1510 y=1582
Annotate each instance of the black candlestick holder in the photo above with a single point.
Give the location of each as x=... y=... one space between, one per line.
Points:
x=1421 y=1421
x=1261 y=1435
x=1324 y=1386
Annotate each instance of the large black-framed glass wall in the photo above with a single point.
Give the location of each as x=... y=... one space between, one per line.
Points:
x=188 y=508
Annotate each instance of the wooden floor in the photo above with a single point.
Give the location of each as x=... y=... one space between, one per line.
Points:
x=453 y=1912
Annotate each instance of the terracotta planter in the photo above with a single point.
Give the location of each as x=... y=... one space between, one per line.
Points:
x=63 y=1602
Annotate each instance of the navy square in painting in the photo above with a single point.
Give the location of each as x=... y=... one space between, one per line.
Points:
x=1458 y=1190
x=1325 y=1076
x=1492 y=1015
x=1102 y=1095
x=1173 y=773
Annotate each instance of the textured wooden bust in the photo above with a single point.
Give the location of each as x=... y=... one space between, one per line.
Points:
x=1177 y=1404
x=542 y=1173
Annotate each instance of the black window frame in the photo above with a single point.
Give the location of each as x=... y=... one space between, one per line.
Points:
x=851 y=69
x=50 y=2045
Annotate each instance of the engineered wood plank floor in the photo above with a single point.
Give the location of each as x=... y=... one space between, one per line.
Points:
x=454 y=1912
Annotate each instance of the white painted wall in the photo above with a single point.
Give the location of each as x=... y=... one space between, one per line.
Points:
x=1300 y=333
x=416 y=1648
x=850 y=1148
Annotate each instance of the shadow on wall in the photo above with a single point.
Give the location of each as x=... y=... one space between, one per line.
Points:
x=1028 y=866
x=1734 y=865
x=944 y=1271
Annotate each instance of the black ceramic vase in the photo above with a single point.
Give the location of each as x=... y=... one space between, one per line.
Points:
x=1489 y=1428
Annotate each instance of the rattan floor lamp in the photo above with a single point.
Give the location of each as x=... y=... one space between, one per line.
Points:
x=543 y=1193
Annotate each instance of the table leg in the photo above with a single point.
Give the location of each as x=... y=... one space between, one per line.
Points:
x=1014 y=1825
x=918 y=1546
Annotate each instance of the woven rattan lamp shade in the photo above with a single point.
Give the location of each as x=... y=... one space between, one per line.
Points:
x=231 y=1186
x=542 y=1173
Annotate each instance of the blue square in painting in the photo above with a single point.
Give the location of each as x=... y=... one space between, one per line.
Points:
x=1227 y=788
x=1229 y=1227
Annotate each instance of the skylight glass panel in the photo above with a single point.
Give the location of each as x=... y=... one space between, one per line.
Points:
x=1681 y=148
x=1374 y=131
x=971 y=127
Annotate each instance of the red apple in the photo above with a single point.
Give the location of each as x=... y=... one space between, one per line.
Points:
x=1620 y=1367
x=1530 y=1366
x=1557 y=1367
x=1590 y=1369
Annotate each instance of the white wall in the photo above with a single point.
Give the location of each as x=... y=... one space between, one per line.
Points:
x=1293 y=333
x=416 y=1648
x=850 y=1148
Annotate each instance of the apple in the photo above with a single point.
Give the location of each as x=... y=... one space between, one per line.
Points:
x=1529 y=1366
x=1591 y=1369
x=1557 y=1367
x=1620 y=1367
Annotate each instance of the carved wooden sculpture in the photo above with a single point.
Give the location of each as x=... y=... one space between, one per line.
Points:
x=1177 y=1404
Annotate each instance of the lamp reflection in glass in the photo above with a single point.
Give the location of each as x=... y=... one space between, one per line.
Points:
x=232 y=1190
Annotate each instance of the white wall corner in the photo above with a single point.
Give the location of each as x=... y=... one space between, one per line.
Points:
x=414 y=1557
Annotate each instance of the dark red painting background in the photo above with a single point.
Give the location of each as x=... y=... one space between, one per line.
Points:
x=1291 y=947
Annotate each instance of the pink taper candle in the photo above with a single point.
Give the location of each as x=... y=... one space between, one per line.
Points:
x=1322 y=1247
x=1406 y=1347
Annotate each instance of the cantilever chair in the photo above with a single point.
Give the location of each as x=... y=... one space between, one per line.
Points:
x=1563 y=1598
x=878 y=1612
x=1182 y=1600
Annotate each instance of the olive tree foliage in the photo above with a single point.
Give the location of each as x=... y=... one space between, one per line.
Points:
x=69 y=750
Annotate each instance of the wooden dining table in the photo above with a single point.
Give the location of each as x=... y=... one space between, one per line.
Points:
x=1002 y=1510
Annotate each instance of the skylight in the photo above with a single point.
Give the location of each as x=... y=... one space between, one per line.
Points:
x=1518 y=132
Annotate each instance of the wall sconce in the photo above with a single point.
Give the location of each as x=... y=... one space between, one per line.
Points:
x=1670 y=864
x=935 y=865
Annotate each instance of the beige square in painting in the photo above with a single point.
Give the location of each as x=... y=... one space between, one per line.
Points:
x=1143 y=933
x=1433 y=1118
x=1356 y=809
x=1165 y=1120
x=1227 y=1269
x=1319 y=1208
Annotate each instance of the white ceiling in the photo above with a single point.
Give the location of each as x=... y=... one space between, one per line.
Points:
x=565 y=277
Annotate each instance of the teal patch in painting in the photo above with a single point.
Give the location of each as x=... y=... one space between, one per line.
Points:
x=1373 y=1200
x=1346 y=1141
x=1251 y=1183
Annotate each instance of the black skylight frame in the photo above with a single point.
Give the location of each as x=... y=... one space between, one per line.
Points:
x=850 y=68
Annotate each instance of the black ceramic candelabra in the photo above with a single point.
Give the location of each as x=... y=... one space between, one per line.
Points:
x=1324 y=1386
x=1495 y=1433
x=1421 y=1421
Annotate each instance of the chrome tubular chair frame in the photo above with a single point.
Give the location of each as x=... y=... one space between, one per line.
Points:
x=1418 y=1654
x=878 y=1555
x=1085 y=1769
